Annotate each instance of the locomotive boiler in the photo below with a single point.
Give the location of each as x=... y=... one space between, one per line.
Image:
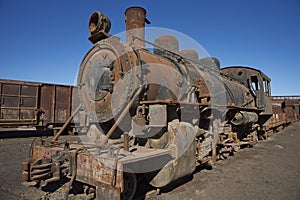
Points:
x=158 y=112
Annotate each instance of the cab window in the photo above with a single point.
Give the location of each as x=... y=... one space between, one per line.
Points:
x=254 y=83
x=266 y=84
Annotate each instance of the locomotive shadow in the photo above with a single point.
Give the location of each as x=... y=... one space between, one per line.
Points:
x=145 y=189
x=185 y=179
x=14 y=133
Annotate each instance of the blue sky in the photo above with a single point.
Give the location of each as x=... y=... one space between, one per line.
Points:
x=45 y=40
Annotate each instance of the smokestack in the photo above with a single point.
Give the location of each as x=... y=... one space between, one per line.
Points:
x=135 y=18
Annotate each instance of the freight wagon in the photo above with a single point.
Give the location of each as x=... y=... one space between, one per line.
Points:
x=285 y=111
x=33 y=104
x=292 y=102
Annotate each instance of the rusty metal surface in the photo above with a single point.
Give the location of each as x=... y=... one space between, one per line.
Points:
x=285 y=111
x=18 y=103
x=278 y=119
x=24 y=103
x=258 y=85
x=104 y=77
x=161 y=86
x=99 y=26
x=139 y=99
x=63 y=103
x=98 y=169
x=182 y=144
x=47 y=104
x=97 y=78
x=89 y=169
x=243 y=117
x=237 y=94
x=190 y=53
x=55 y=103
x=167 y=42
x=135 y=18
x=288 y=101
x=291 y=115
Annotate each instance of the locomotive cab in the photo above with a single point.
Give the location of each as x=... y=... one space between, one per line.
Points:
x=258 y=84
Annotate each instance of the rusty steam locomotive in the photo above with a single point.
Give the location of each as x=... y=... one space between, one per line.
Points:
x=157 y=113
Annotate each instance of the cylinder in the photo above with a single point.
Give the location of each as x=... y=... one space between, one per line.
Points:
x=135 y=18
x=243 y=117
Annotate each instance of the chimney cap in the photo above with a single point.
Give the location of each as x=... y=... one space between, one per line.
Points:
x=135 y=8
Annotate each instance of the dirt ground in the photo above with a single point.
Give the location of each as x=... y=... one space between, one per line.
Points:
x=270 y=170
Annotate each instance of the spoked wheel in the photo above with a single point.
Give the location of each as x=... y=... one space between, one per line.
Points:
x=130 y=185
